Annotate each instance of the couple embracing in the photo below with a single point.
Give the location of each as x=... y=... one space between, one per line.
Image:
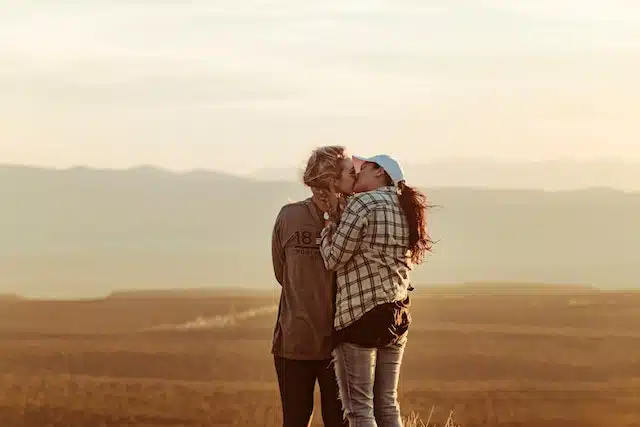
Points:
x=343 y=258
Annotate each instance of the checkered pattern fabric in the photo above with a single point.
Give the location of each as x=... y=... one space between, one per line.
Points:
x=369 y=250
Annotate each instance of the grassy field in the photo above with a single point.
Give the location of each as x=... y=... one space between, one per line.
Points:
x=531 y=358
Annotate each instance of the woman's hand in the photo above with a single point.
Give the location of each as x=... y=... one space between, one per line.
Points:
x=342 y=203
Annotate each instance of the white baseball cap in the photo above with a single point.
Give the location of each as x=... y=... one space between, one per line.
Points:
x=386 y=162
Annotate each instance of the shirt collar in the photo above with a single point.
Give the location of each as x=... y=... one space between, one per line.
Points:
x=388 y=189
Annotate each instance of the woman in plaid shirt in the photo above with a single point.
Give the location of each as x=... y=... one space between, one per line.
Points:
x=372 y=245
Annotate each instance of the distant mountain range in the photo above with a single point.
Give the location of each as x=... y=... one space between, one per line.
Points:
x=84 y=232
x=482 y=173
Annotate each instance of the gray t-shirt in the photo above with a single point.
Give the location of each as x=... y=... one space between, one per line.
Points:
x=304 y=326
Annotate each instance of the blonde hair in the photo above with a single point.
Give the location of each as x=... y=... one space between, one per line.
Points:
x=324 y=166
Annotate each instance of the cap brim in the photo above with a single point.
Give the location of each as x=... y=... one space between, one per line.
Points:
x=358 y=161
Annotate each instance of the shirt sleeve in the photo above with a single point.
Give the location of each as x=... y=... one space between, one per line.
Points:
x=340 y=242
x=277 y=249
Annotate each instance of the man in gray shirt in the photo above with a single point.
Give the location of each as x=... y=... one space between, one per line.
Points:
x=302 y=339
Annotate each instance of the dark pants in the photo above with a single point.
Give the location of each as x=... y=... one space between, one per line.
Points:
x=297 y=380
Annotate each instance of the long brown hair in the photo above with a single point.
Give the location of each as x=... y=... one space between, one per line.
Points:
x=414 y=204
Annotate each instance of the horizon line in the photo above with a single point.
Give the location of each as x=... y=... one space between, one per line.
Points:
x=251 y=177
x=509 y=286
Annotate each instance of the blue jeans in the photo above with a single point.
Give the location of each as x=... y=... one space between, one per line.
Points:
x=368 y=383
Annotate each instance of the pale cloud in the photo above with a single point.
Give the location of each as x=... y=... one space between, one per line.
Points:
x=184 y=83
x=597 y=11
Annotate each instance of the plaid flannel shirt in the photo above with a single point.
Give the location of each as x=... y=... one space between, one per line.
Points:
x=369 y=250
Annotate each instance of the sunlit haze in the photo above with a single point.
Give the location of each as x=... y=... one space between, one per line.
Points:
x=243 y=85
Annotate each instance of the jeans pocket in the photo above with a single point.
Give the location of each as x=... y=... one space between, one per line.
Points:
x=402 y=341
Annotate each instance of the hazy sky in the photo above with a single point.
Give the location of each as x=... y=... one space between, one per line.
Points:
x=236 y=85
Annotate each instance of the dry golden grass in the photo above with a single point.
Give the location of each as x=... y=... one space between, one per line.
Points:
x=494 y=360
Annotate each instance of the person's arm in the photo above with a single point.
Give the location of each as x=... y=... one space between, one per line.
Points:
x=277 y=249
x=340 y=241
